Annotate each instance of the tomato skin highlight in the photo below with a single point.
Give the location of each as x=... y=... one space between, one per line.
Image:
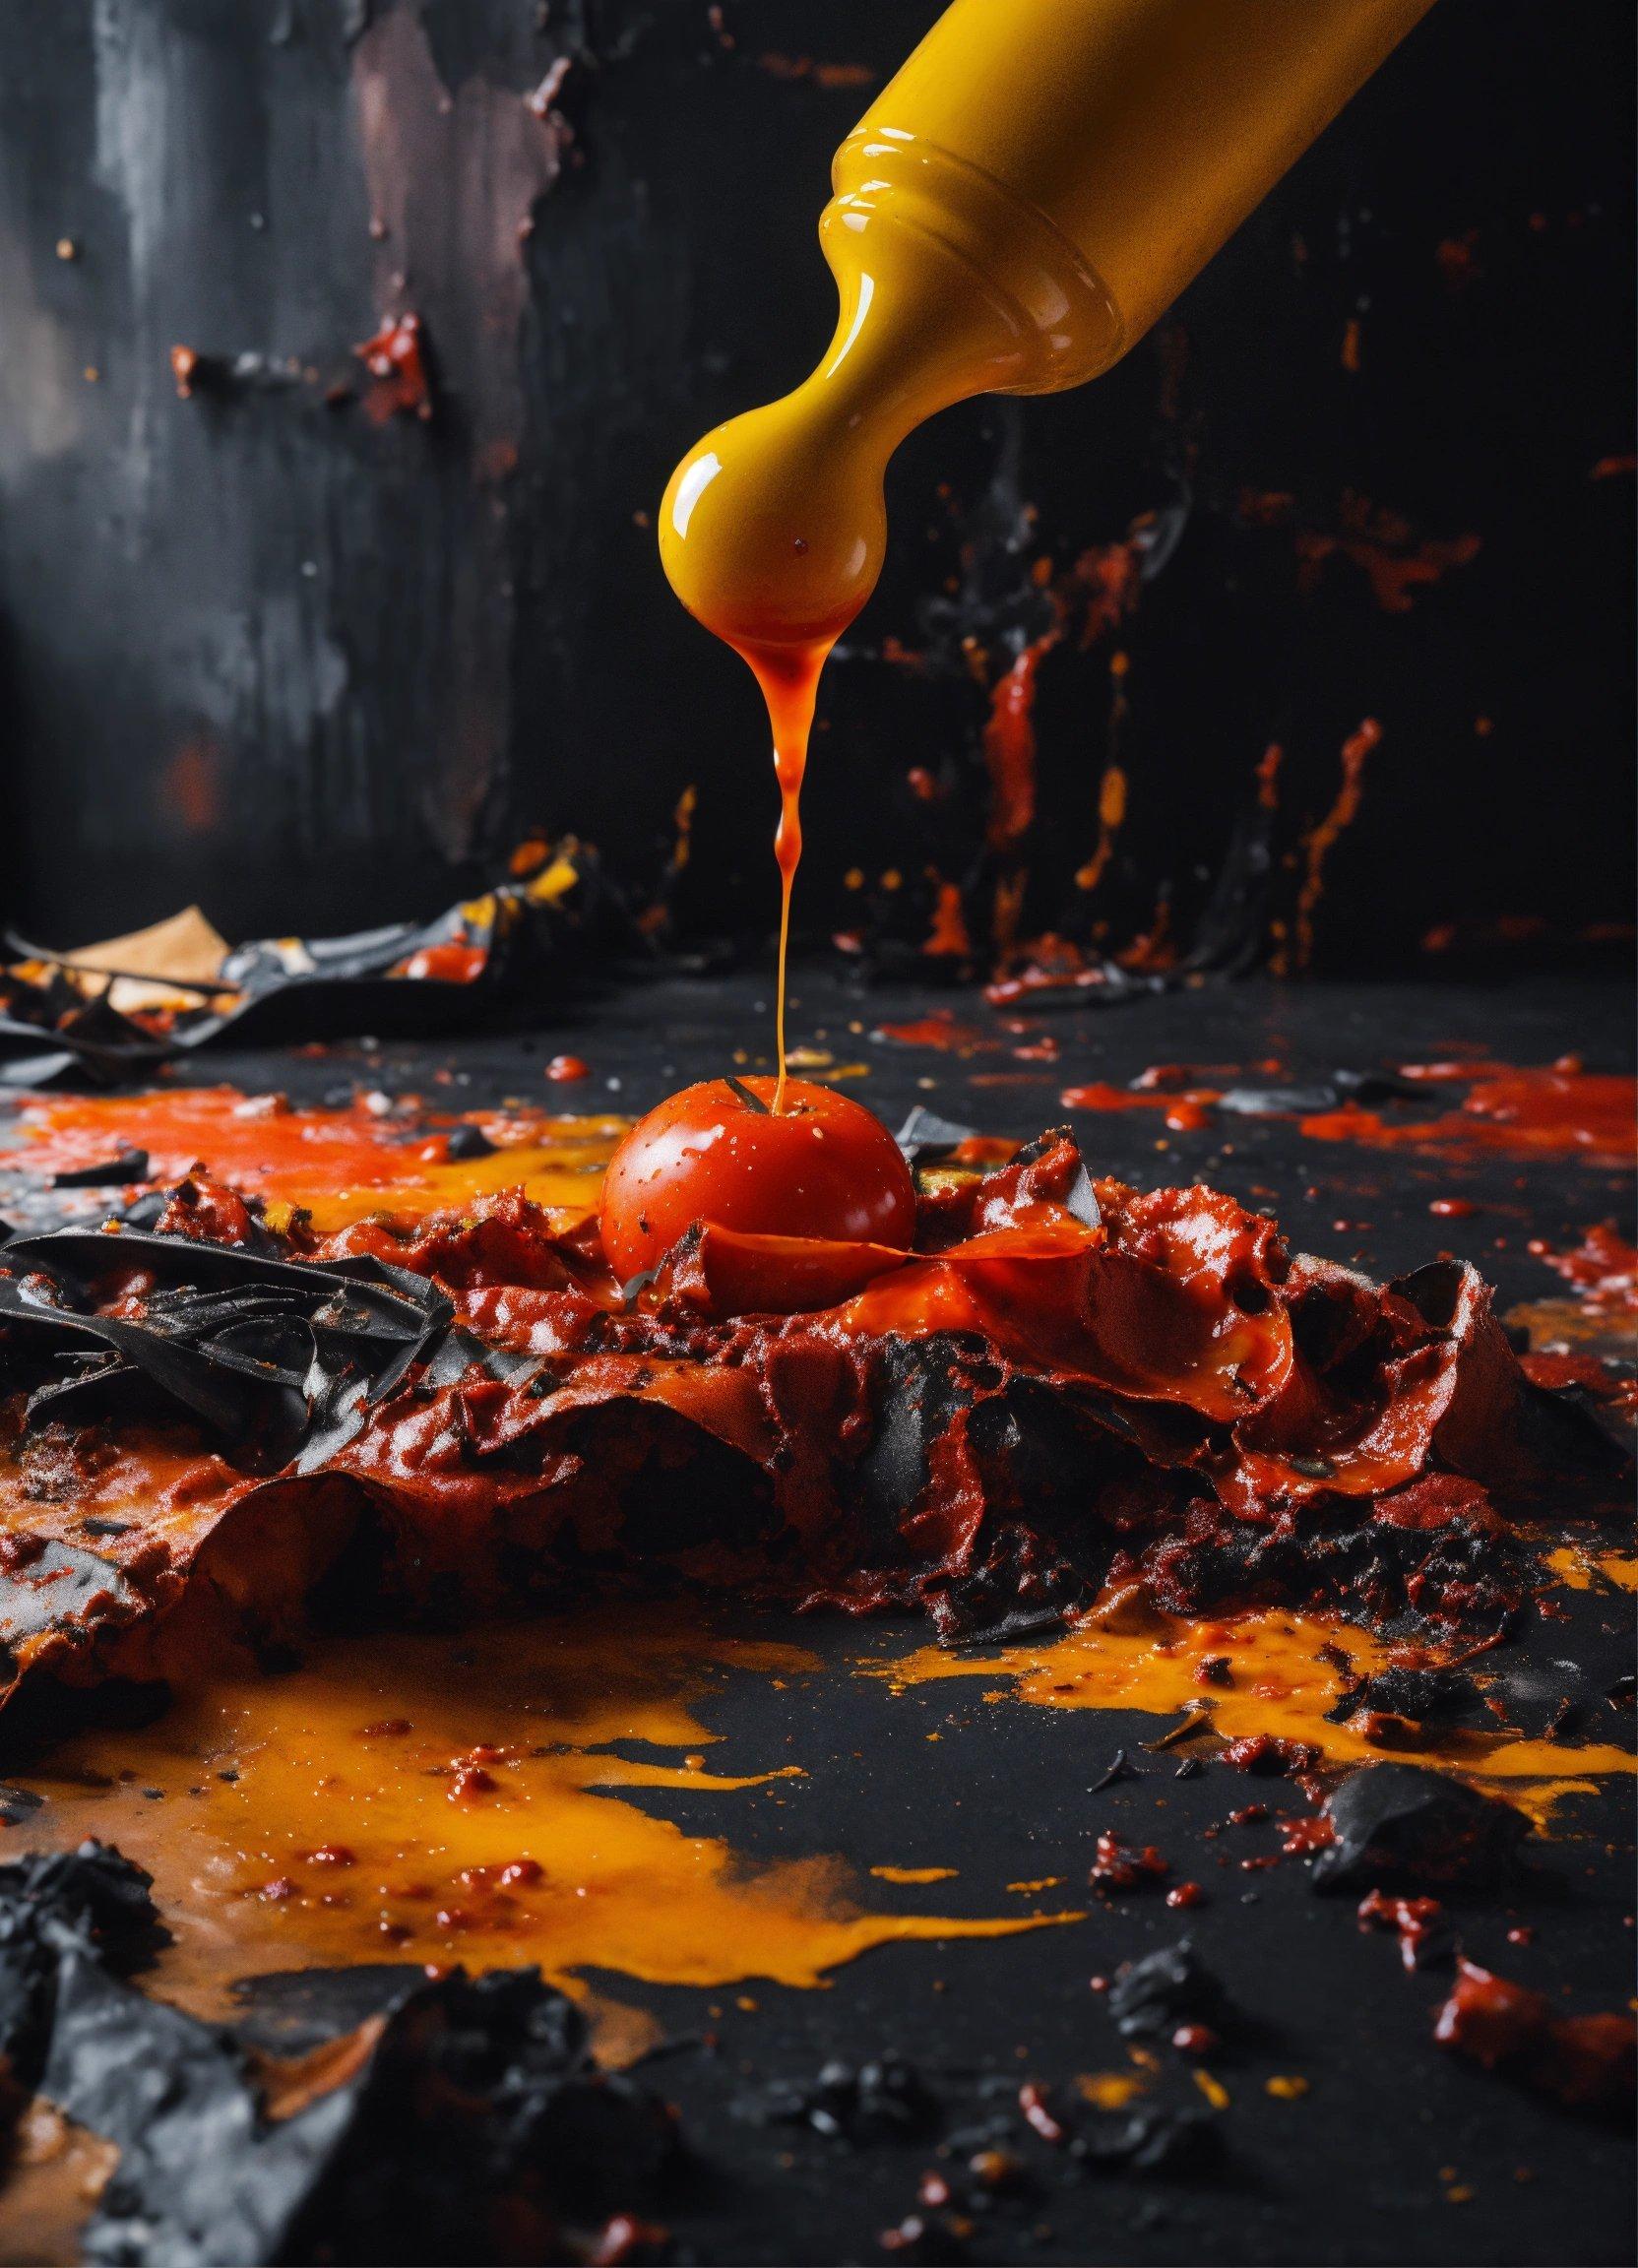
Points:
x=825 y=1168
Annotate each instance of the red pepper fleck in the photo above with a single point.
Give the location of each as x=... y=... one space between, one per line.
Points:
x=1416 y=1920
x=564 y=1069
x=1194 y=2039
x=1185 y=1894
x=625 y=2241
x=1117 y=1866
x=1262 y=1754
x=1033 y=2103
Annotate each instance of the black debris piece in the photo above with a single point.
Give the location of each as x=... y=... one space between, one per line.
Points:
x=1301 y=1098
x=1398 y=1823
x=463 y=2119
x=1437 y=1697
x=1119 y=1767
x=883 y=2100
x=91 y=1898
x=1150 y=1999
x=483 y=954
x=1158 y=2137
x=924 y=1135
x=112 y=1172
x=233 y=1335
x=469 y=1142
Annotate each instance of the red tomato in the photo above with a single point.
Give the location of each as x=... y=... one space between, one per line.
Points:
x=823 y=1167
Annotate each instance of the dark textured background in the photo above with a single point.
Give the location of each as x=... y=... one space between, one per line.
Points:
x=314 y=670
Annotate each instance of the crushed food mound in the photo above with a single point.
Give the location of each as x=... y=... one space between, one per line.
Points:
x=215 y=1429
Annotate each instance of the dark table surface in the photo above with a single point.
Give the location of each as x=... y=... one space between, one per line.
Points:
x=1395 y=2151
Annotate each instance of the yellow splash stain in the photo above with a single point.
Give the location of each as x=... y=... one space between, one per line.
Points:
x=915 y=1873
x=1215 y=2092
x=1028 y=1889
x=1581 y=1567
x=1279 y=1681
x=1109 y=2090
x=420 y=1799
x=1286 y=2087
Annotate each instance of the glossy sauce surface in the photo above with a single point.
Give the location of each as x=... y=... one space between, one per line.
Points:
x=402 y=1798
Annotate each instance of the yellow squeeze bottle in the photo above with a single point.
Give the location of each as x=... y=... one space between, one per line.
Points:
x=1024 y=198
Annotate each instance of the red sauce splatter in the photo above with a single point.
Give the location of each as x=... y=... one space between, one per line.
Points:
x=1184 y=1113
x=1117 y=1866
x=1549 y=1113
x=1320 y=841
x=1185 y=1894
x=1457 y=259
x=948 y=938
x=1452 y=1208
x=1384 y=547
x=939 y=1029
x=1009 y=742
x=1602 y=1268
x=563 y=1070
x=454 y=963
x=1579 y=2059
x=1587 y=1371
x=395 y=359
x=1417 y=1922
x=1038 y=2112
x=1194 y=2039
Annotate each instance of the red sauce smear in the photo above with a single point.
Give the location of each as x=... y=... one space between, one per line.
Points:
x=1546 y=1113
x=454 y=963
x=1579 y=2059
x=1184 y=1113
x=395 y=359
x=939 y=1029
x=1418 y=1923
x=1602 y=1268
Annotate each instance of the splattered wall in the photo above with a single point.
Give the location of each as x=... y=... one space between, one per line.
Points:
x=348 y=348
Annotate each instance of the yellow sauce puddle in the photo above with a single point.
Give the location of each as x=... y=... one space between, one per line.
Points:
x=1584 y=1569
x=432 y=1799
x=1279 y=1682
x=564 y=1176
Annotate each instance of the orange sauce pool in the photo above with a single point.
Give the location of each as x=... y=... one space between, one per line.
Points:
x=342 y=1164
x=406 y=1798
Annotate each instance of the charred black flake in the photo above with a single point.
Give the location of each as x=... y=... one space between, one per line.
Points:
x=1397 y=1824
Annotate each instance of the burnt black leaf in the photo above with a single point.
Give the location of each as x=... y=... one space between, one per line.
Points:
x=129 y=1166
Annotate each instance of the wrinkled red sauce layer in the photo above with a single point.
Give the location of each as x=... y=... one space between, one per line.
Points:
x=1020 y=1410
